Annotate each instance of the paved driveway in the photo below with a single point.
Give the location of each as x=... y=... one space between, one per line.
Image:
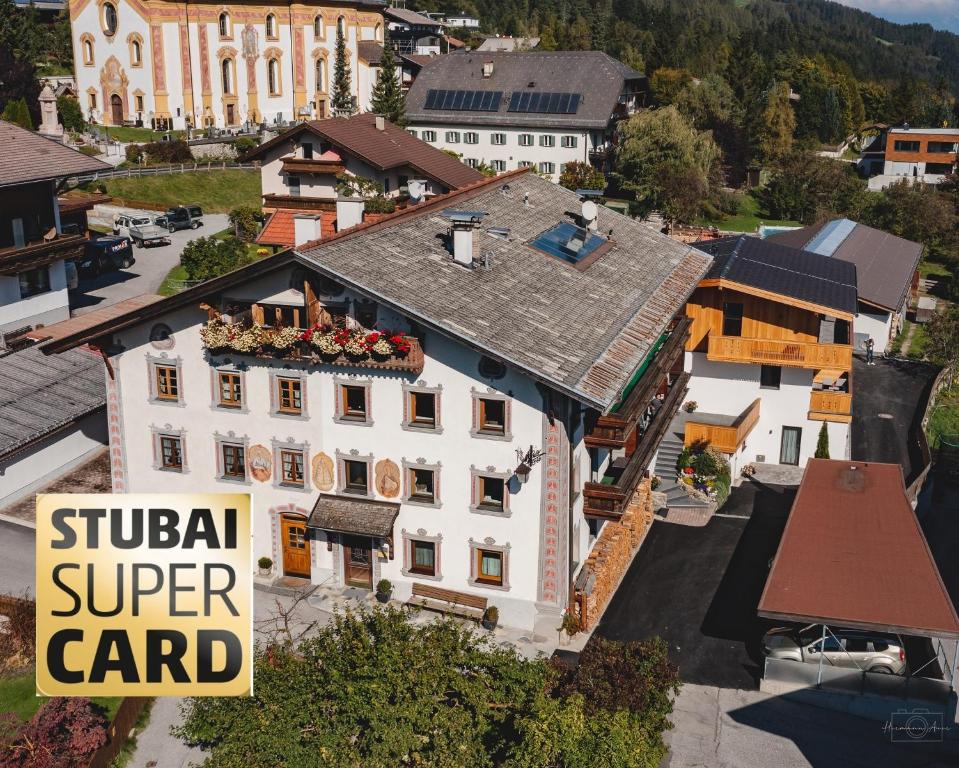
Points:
x=146 y=275
x=17 y=559
x=698 y=588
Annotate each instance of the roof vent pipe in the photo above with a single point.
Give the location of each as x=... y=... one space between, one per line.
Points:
x=380 y=123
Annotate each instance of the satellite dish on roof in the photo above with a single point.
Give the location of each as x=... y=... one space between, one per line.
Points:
x=416 y=189
x=589 y=212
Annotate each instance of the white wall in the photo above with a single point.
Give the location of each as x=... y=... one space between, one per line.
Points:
x=447 y=364
x=44 y=308
x=27 y=472
x=729 y=388
x=876 y=324
x=510 y=153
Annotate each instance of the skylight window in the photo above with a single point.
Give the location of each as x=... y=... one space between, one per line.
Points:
x=568 y=242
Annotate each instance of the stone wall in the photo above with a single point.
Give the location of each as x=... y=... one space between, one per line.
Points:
x=611 y=555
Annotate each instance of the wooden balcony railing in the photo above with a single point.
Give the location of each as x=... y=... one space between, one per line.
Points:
x=830 y=406
x=799 y=354
x=15 y=259
x=724 y=438
x=310 y=165
x=615 y=429
x=609 y=500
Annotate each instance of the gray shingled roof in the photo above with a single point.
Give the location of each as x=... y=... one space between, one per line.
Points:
x=582 y=331
x=353 y=515
x=597 y=77
x=28 y=156
x=410 y=17
x=39 y=394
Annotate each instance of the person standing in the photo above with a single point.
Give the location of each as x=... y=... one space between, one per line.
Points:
x=870 y=344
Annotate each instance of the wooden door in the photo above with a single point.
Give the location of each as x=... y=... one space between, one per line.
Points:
x=358 y=561
x=296 y=546
x=230 y=114
x=116 y=110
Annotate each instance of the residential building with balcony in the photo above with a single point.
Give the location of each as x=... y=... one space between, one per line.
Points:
x=39 y=232
x=524 y=109
x=414 y=33
x=769 y=352
x=886 y=272
x=301 y=170
x=924 y=155
x=521 y=351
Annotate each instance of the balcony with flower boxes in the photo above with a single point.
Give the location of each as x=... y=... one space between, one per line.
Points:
x=609 y=498
x=347 y=347
x=618 y=429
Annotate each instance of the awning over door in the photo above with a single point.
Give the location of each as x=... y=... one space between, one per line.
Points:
x=853 y=555
x=362 y=517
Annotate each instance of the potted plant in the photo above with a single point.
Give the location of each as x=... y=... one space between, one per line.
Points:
x=384 y=588
x=570 y=624
x=490 y=618
x=690 y=405
x=266 y=566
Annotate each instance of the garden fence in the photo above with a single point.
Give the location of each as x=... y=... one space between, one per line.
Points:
x=163 y=170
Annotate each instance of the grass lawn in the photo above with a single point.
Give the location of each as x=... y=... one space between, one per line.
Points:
x=748 y=219
x=944 y=419
x=138 y=135
x=18 y=695
x=920 y=340
x=933 y=269
x=216 y=191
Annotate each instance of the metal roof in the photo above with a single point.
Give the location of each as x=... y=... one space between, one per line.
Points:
x=769 y=266
x=596 y=77
x=40 y=394
x=853 y=555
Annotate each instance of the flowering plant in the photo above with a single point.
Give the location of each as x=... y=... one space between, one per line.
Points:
x=215 y=334
x=245 y=339
x=355 y=345
x=282 y=338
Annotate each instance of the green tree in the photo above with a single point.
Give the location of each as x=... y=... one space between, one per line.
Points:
x=875 y=99
x=943 y=333
x=16 y=112
x=666 y=83
x=776 y=125
x=709 y=104
x=71 y=115
x=246 y=221
x=357 y=693
x=807 y=188
x=665 y=162
x=822 y=443
x=581 y=175
x=919 y=213
x=387 y=98
x=344 y=102
x=208 y=257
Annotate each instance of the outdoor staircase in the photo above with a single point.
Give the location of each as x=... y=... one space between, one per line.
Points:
x=665 y=470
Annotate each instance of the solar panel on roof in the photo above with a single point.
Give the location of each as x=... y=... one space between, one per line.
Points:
x=567 y=242
x=460 y=101
x=547 y=103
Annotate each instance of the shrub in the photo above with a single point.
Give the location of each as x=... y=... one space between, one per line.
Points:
x=384 y=586
x=683 y=461
x=71 y=115
x=822 y=443
x=134 y=153
x=380 y=205
x=491 y=614
x=89 y=150
x=570 y=624
x=207 y=257
x=246 y=221
x=64 y=733
x=176 y=151
x=16 y=111
x=709 y=462
x=19 y=636
x=264 y=562
x=244 y=144
x=580 y=175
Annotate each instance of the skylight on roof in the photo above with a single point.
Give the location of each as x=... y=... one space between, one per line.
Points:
x=567 y=242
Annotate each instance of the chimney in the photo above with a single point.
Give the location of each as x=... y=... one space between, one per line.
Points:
x=380 y=123
x=349 y=212
x=487 y=69
x=306 y=227
x=464 y=243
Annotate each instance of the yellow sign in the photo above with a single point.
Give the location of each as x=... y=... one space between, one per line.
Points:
x=144 y=595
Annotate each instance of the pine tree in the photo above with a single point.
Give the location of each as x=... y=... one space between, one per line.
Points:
x=387 y=98
x=822 y=444
x=343 y=101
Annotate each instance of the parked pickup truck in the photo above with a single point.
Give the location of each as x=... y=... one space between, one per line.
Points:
x=143 y=235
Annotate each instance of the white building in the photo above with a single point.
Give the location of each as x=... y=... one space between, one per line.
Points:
x=301 y=168
x=531 y=109
x=413 y=33
x=215 y=64
x=39 y=232
x=462 y=20
x=886 y=271
x=770 y=352
x=467 y=463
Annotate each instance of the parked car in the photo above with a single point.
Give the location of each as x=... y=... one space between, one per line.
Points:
x=123 y=222
x=184 y=217
x=105 y=254
x=848 y=648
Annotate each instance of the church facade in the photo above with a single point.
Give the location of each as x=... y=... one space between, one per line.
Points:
x=173 y=65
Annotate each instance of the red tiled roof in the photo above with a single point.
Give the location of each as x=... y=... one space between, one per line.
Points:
x=390 y=148
x=853 y=555
x=28 y=156
x=279 y=227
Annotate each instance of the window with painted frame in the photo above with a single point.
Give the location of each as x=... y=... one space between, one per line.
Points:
x=422 y=485
x=233 y=461
x=488 y=566
x=292 y=467
x=229 y=389
x=422 y=557
x=170 y=452
x=356 y=476
x=289 y=395
x=167 y=382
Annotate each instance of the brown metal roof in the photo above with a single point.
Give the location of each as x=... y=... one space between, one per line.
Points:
x=390 y=148
x=354 y=515
x=28 y=156
x=78 y=325
x=853 y=555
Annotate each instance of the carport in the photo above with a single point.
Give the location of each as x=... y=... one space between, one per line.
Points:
x=853 y=555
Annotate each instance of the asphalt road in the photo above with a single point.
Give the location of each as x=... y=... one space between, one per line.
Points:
x=17 y=561
x=146 y=274
x=888 y=401
x=698 y=589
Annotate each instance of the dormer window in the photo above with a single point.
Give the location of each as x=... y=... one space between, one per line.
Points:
x=307 y=151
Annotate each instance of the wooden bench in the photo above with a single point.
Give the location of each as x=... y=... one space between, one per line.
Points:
x=447 y=601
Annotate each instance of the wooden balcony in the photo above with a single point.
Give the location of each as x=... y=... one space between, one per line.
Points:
x=17 y=259
x=608 y=499
x=724 y=437
x=826 y=405
x=298 y=165
x=797 y=354
x=617 y=428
